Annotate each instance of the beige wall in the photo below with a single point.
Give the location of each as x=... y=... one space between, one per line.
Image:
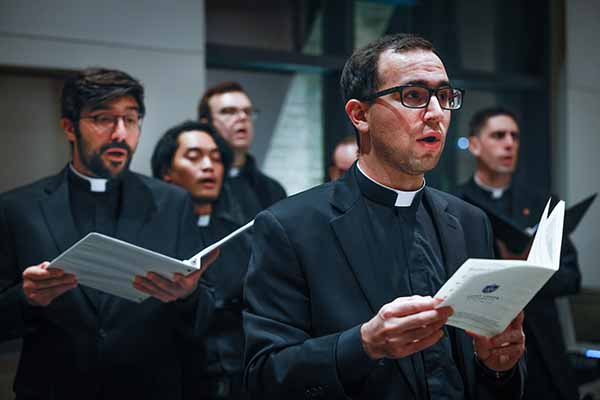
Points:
x=582 y=121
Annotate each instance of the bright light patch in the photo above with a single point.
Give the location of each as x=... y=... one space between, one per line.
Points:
x=592 y=353
x=462 y=143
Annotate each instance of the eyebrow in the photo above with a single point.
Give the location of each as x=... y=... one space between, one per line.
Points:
x=202 y=149
x=104 y=107
x=422 y=82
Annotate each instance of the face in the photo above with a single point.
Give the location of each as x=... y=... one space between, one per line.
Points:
x=343 y=157
x=497 y=145
x=231 y=114
x=405 y=140
x=197 y=166
x=100 y=148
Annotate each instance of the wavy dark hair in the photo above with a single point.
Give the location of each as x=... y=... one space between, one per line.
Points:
x=164 y=152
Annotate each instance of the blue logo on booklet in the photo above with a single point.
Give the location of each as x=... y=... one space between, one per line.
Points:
x=490 y=288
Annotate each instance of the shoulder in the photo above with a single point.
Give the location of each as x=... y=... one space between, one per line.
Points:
x=463 y=189
x=31 y=192
x=457 y=206
x=159 y=189
x=304 y=208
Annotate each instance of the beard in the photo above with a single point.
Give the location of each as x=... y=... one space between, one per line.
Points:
x=92 y=159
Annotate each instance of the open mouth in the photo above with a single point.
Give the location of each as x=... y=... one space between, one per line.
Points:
x=116 y=153
x=431 y=138
x=207 y=182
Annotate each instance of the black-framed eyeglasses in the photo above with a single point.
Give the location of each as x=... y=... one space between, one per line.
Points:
x=108 y=122
x=417 y=96
x=231 y=112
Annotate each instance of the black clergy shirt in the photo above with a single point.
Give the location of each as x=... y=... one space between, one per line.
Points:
x=418 y=260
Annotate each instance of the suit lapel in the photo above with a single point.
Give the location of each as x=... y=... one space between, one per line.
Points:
x=369 y=260
x=56 y=209
x=137 y=207
x=452 y=239
x=452 y=236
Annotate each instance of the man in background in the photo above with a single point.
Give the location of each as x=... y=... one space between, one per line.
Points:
x=78 y=342
x=344 y=155
x=494 y=139
x=228 y=108
x=193 y=156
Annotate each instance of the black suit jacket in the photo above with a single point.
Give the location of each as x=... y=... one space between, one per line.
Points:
x=316 y=274
x=71 y=350
x=550 y=373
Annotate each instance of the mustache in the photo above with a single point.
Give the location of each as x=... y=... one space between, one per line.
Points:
x=112 y=145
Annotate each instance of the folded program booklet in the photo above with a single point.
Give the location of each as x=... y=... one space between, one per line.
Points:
x=110 y=265
x=486 y=295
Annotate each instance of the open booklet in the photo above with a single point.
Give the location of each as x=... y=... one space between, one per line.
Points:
x=110 y=265
x=517 y=239
x=486 y=295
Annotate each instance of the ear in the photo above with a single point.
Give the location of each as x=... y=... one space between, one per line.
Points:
x=67 y=126
x=475 y=145
x=357 y=112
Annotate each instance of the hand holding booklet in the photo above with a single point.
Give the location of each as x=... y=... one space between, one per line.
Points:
x=486 y=295
x=110 y=265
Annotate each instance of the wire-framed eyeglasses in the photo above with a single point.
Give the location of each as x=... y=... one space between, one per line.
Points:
x=417 y=96
x=108 y=122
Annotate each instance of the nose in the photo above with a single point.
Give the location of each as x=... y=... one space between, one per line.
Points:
x=434 y=112
x=120 y=132
x=206 y=164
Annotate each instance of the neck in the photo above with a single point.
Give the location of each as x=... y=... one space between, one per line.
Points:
x=390 y=177
x=203 y=209
x=494 y=179
x=239 y=158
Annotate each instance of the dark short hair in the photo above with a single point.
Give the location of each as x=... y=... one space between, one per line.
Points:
x=164 y=152
x=93 y=86
x=204 y=114
x=481 y=117
x=360 y=77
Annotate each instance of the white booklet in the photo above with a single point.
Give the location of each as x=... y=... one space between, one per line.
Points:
x=110 y=265
x=486 y=295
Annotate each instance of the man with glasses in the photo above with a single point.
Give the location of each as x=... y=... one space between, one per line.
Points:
x=494 y=139
x=78 y=342
x=228 y=108
x=340 y=283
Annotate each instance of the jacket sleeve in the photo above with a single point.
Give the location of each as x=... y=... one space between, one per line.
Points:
x=282 y=359
x=16 y=315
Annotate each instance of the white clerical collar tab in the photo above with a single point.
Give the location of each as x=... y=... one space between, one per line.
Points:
x=495 y=192
x=203 y=220
x=403 y=198
x=96 y=184
x=233 y=172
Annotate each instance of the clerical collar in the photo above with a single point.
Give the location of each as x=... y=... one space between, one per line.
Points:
x=234 y=172
x=385 y=194
x=494 y=192
x=96 y=184
x=203 y=220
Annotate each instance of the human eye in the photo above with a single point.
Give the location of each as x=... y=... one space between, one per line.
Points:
x=228 y=111
x=131 y=120
x=414 y=95
x=192 y=155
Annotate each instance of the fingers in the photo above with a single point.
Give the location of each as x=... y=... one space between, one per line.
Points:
x=42 y=285
x=209 y=259
x=165 y=289
x=404 y=326
x=403 y=306
x=155 y=287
